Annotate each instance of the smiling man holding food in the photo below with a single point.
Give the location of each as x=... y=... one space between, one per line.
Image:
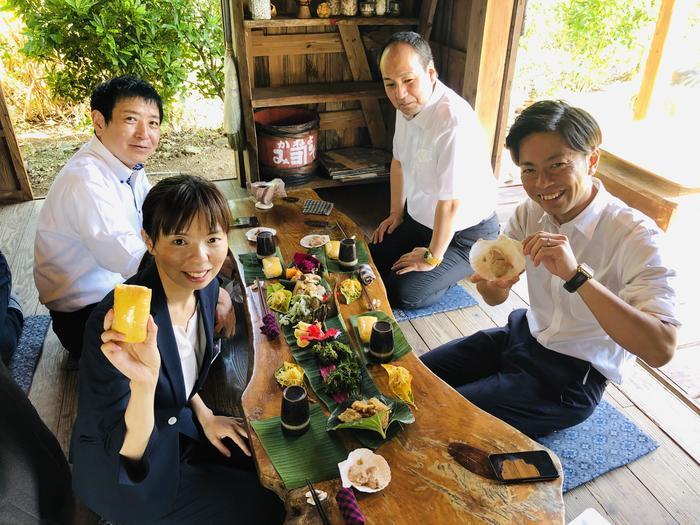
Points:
x=600 y=292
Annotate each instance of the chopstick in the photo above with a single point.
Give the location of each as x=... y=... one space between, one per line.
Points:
x=263 y=303
x=320 y=510
x=337 y=223
x=370 y=304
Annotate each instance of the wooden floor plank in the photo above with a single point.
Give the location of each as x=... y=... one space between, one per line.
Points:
x=23 y=268
x=49 y=385
x=498 y=314
x=413 y=338
x=580 y=499
x=13 y=219
x=671 y=415
x=436 y=329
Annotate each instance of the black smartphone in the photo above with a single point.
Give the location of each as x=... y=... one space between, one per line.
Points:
x=519 y=467
x=246 y=222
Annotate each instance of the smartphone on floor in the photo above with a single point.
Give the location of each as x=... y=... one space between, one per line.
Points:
x=521 y=467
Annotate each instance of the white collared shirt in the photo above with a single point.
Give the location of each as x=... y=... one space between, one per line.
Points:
x=89 y=234
x=444 y=155
x=188 y=341
x=621 y=246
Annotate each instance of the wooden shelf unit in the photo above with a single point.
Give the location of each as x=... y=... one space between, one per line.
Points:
x=321 y=63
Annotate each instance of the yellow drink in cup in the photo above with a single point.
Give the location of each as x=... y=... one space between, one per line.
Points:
x=132 y=306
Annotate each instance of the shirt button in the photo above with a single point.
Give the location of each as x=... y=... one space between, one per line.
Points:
x=172 y=420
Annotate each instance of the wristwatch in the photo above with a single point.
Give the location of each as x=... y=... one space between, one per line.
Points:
x=583 y=273
x=430 y=259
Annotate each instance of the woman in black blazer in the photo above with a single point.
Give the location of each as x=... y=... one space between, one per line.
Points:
x=145 y=448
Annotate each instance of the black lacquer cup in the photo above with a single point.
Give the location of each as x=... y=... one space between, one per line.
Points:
x=347 y=255
x=381 y=342
x=295 y=411
x=265 y=244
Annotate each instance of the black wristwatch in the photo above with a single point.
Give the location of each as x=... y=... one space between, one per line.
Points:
x=583 y=273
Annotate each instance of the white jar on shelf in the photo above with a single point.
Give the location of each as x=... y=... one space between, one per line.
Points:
x=380 y=7
x=348 y=7
x=260 y=9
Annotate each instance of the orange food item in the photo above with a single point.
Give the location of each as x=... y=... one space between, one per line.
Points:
x=132 y=305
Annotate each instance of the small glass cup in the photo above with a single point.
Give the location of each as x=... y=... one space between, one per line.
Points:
x=264 y=244
x=347 y=255
x=381 y=342
x=295 y=411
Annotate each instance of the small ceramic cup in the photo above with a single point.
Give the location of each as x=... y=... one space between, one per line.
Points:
x=347 y=255
x=381 y=342
x=264 y=245
x=295 y=411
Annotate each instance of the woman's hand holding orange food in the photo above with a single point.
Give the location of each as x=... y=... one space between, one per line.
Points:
x=554 y=251
x=140 y=362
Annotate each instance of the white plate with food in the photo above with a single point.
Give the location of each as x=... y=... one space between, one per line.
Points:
x=314 y=240
x=252 y=234
x=365 y=470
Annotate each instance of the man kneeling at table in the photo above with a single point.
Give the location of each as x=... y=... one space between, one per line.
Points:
x=89 y=234
x=600 y=292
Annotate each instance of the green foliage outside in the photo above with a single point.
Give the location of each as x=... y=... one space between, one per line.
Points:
x=167 y=42
x=583 y=45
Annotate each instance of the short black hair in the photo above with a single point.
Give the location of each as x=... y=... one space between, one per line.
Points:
x=575 y=125
x=417 y=42
x=174 y=202
x=106 y=95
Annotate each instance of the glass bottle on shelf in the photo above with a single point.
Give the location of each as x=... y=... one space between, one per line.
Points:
x=348 y=7
x=367 y=8
x=395 y=8
x=335 y=7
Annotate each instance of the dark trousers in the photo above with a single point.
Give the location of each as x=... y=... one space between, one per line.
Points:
x=70 y=328
x=11 y=319
x=507 y=373
x=418 y=289
x=218 y=490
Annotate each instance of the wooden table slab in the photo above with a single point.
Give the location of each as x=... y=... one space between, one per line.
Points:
x=427 y=486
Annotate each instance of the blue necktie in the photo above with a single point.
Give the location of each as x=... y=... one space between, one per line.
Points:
x=129 y=182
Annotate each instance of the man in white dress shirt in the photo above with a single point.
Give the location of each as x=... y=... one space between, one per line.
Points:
x=443 y=192
x=89 y=234
x=600 y=292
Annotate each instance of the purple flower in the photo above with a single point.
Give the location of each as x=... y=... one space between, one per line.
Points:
x=306 y=263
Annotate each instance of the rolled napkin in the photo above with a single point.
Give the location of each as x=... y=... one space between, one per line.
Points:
x=349 y=507
x=365 y=274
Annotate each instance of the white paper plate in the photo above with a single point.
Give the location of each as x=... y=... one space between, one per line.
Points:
x=314 y=240
x=252 y=234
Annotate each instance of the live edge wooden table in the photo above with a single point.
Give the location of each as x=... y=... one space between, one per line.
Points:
x=427 y=485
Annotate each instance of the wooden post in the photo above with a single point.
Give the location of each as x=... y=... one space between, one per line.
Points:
x=14 y=183
x=488 y=52
x=641 y=104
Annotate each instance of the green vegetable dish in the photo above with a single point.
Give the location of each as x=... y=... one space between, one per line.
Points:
x=346 y=378
x=332 y=352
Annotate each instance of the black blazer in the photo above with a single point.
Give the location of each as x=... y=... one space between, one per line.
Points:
x=100 y=477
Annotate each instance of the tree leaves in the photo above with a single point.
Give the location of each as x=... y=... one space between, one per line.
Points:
x=85 y=42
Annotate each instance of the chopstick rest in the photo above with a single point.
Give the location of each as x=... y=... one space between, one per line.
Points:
x=322 y=495
x=365 y=273
x=349 y=508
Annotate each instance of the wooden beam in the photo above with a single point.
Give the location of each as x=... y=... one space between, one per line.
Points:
x=14 y=182
x=295 y=44
x=359 y=67
x=352 y=118
x=488 y=43
x=427 y=15
x=316 y=93
x=246 y=82
x=516 y=29
x=282 y=21
x=641 y=104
